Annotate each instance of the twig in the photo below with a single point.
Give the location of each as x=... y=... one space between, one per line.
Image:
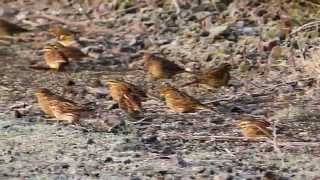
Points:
x=247 y=82
x=226 y=138
x=5 y=42
x=219 y=100
x=124 y=10
x=206 y=16
x=297 y=143
x=312 y=3
x=284 y=83
x=244 y=139
x=275 y=141
x=274 y=133
x=138 y=122
x=229 y=152
x=62 y=20
x=305 y=26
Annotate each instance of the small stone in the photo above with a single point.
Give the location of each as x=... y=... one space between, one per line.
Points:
x=192 y=18
x=135 y=178
x=65 y=166
x=198 y=170
x=168 y=150
x=128 y=161
x=90 y=141
x=192 y=66
x=70 y=82
x=204 y=33
x=261 y=12
x=108 y=159
x=269 y=176
x=150 y=139
x=100 y=96
x=137 y=155
x=17 y=114
x=113 y=106
x=236 y=109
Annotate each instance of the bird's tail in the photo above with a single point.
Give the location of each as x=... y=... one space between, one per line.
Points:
x=266 y=132
x=44 y=68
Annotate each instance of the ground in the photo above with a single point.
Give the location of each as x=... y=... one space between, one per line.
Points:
x=274 y=77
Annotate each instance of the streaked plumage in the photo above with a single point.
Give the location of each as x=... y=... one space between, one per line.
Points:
x=213 y=78
x=117 y=88
x=58 y=107
x=161 y=68
x=70 y=52
x=130 y=103
x=54 y=58
x=179 y=101
x=64 y=36
x=255 y=128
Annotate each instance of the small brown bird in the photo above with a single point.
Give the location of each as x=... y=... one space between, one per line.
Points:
x=70 y=52
x=130 y=104
x=118 y=88
x=161 y=68
x=54 y=58
x=255 y=128
x=213 y=78
x=58 y=107
x=9 y=29
x=179 y=101
x=64 y=36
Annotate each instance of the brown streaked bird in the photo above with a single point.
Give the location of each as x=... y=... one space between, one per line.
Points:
x=9 y=29
x=161 y=68
x=54 y=58
x=70 y=52
x=131 y=104
x=255 y=128
x=117 y=88
x=64 y=36
x=58 y=107
x=179 y=101
x=213 y=78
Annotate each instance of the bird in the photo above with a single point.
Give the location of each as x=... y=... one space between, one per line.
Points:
x=179 y=101
x=54 y=58
x=9 y=29
x=255 y=128
x=161 y=68
x=58 y=107
x=131 y=104
x=69 y=51
x=64 y=36
x=117 y=88
x=213 y=78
